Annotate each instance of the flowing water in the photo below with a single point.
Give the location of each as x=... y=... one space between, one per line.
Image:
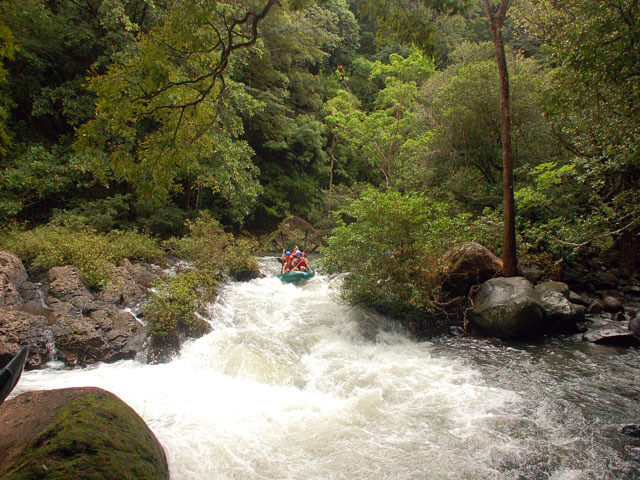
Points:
x=291 y=384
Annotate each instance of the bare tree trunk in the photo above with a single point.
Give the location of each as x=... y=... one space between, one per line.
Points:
x=509 y=258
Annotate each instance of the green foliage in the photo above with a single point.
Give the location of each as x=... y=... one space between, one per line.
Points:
x=391 y=244
x=92 y=253
x=411 y=22
x=390 y=135
x=593 y=106
x=178 y=302
x=165 y=112
x=461 y=106
x=101 y=215
x=212 y=249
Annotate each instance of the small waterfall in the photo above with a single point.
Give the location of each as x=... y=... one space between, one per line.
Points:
x=133 y=314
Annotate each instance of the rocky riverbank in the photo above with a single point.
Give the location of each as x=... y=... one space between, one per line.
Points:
x=61 y=319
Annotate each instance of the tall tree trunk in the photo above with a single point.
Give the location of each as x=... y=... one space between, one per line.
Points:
x=496 y=20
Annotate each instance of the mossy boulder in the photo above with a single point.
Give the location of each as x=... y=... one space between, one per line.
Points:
x=466 y=265
x=76 y=433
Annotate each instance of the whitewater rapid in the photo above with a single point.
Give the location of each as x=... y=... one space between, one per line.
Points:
x=292 y=384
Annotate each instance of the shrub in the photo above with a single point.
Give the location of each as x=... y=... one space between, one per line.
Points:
x=178 y=300
x=391 y=245
x=212 y=249
x=91 y=252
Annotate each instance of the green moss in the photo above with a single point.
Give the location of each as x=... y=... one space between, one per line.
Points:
x=96 y=437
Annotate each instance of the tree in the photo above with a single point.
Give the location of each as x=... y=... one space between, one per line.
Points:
x=593 y=105
x=166 y=111
x=496 y=21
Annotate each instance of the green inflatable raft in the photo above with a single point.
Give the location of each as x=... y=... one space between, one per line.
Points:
x=295 y=277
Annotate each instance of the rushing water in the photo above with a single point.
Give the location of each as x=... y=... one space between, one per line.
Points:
x=293 y=385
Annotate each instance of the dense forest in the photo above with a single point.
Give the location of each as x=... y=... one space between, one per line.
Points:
x=377 y=120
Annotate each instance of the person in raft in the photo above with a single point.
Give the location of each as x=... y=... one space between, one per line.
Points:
x=287 y=262
x=294 y=261
x=302 y=263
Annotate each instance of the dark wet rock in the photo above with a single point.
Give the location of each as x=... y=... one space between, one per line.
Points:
x=619 y=317
x=508 y=308
x=634 y=325
x=553 y=286
x=122 y=288
x=577 y=299
x=631 y=430
x=612 y=304
x=532 y=272
x=633 y=289
x=66 y=285
x=562 y=315
x=79 y=342
x=595 y=307
x=12 y=276
x=77 y=433
x=21 y=328
x=466 y=265
x=613 y=334
x=246 y=275
x=106 y=335
x=606 y=279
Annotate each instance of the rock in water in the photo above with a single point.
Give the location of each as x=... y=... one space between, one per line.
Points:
x=552 y=286
x=76 y=433
x=614 y=334
x=631 y=430
x=562 y=315
x=508 y=308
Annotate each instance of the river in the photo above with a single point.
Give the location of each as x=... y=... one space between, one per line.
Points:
x=291 y=384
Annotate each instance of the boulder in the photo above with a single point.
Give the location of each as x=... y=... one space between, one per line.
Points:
x=66 y=285
x=76 y=433
x=21 y=328
x=552 y=286
x=12 y=276
x=466 y=265
x=122 y=288
x=606 y=279
x=124 y=333
x=612 y=304
x=79 y=342
x=508 y=308
x=144 y=274
x=577 y=299
x=595 y=307
x=562 y=315
x=614 y=334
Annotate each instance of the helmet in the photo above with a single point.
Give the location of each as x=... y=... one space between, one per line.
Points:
x=298 y=252
x=287 y=253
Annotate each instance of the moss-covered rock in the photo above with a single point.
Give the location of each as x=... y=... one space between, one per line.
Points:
x=76 y=433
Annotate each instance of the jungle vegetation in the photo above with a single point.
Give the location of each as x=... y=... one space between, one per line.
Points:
x=147 y=116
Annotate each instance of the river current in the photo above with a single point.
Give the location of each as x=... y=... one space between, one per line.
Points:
x=292 y=384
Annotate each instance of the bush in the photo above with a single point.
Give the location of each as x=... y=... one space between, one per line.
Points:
x=91 y=252
x=212 y=249
x=174 y=308
x=391 y=245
